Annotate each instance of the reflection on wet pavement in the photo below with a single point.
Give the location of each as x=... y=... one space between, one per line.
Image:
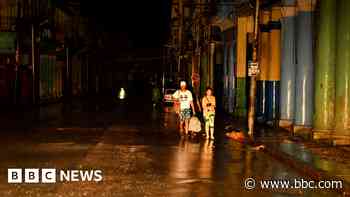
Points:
x=142 y=155
x=306 y=156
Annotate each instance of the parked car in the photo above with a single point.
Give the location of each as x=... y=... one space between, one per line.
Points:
x=168 y=96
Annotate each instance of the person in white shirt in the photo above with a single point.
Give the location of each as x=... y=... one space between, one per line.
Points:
x=185 y=100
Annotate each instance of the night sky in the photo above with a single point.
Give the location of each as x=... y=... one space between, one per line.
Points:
x=144 y=23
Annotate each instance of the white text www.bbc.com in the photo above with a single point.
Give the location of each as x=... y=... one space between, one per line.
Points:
x=251 y=183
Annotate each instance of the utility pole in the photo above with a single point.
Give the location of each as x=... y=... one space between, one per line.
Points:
x=18 y=51
x=210 y=81
x=35 y=67
x=197 y=52
x=68 y=74
x=180 y=35
x=253 y=70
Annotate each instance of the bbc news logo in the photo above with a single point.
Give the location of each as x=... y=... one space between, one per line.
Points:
x=51 y=175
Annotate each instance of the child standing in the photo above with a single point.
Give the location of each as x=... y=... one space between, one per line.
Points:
x=208 y=106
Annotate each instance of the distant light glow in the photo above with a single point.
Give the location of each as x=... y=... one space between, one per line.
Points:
x=122 y=94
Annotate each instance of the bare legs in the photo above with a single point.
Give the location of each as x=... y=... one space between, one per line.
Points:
x=184 y=126
x=209 y=125
x=209 y=131
x=181 y=127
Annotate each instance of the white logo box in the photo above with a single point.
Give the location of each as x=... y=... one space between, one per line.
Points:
x=31 y=175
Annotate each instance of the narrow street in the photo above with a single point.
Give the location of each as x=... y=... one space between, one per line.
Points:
x=86 y=89
x=140 y=154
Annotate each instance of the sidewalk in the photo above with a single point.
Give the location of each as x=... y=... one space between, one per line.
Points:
x=85 y=114
x=312 y=159
x=78 y=113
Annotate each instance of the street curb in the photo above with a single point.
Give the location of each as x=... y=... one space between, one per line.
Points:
x=67 y=129
x=305 y=169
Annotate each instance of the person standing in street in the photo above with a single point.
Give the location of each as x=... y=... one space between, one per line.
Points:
x=208 y=106
x=156 y=96
x=185 y=99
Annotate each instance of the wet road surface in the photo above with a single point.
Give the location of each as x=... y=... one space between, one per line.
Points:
x=140 y=154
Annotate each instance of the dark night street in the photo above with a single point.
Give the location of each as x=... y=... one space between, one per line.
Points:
x=140 y=153
x=172 y=98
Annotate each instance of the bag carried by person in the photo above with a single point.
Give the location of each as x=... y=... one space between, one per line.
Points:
x=195 y=124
